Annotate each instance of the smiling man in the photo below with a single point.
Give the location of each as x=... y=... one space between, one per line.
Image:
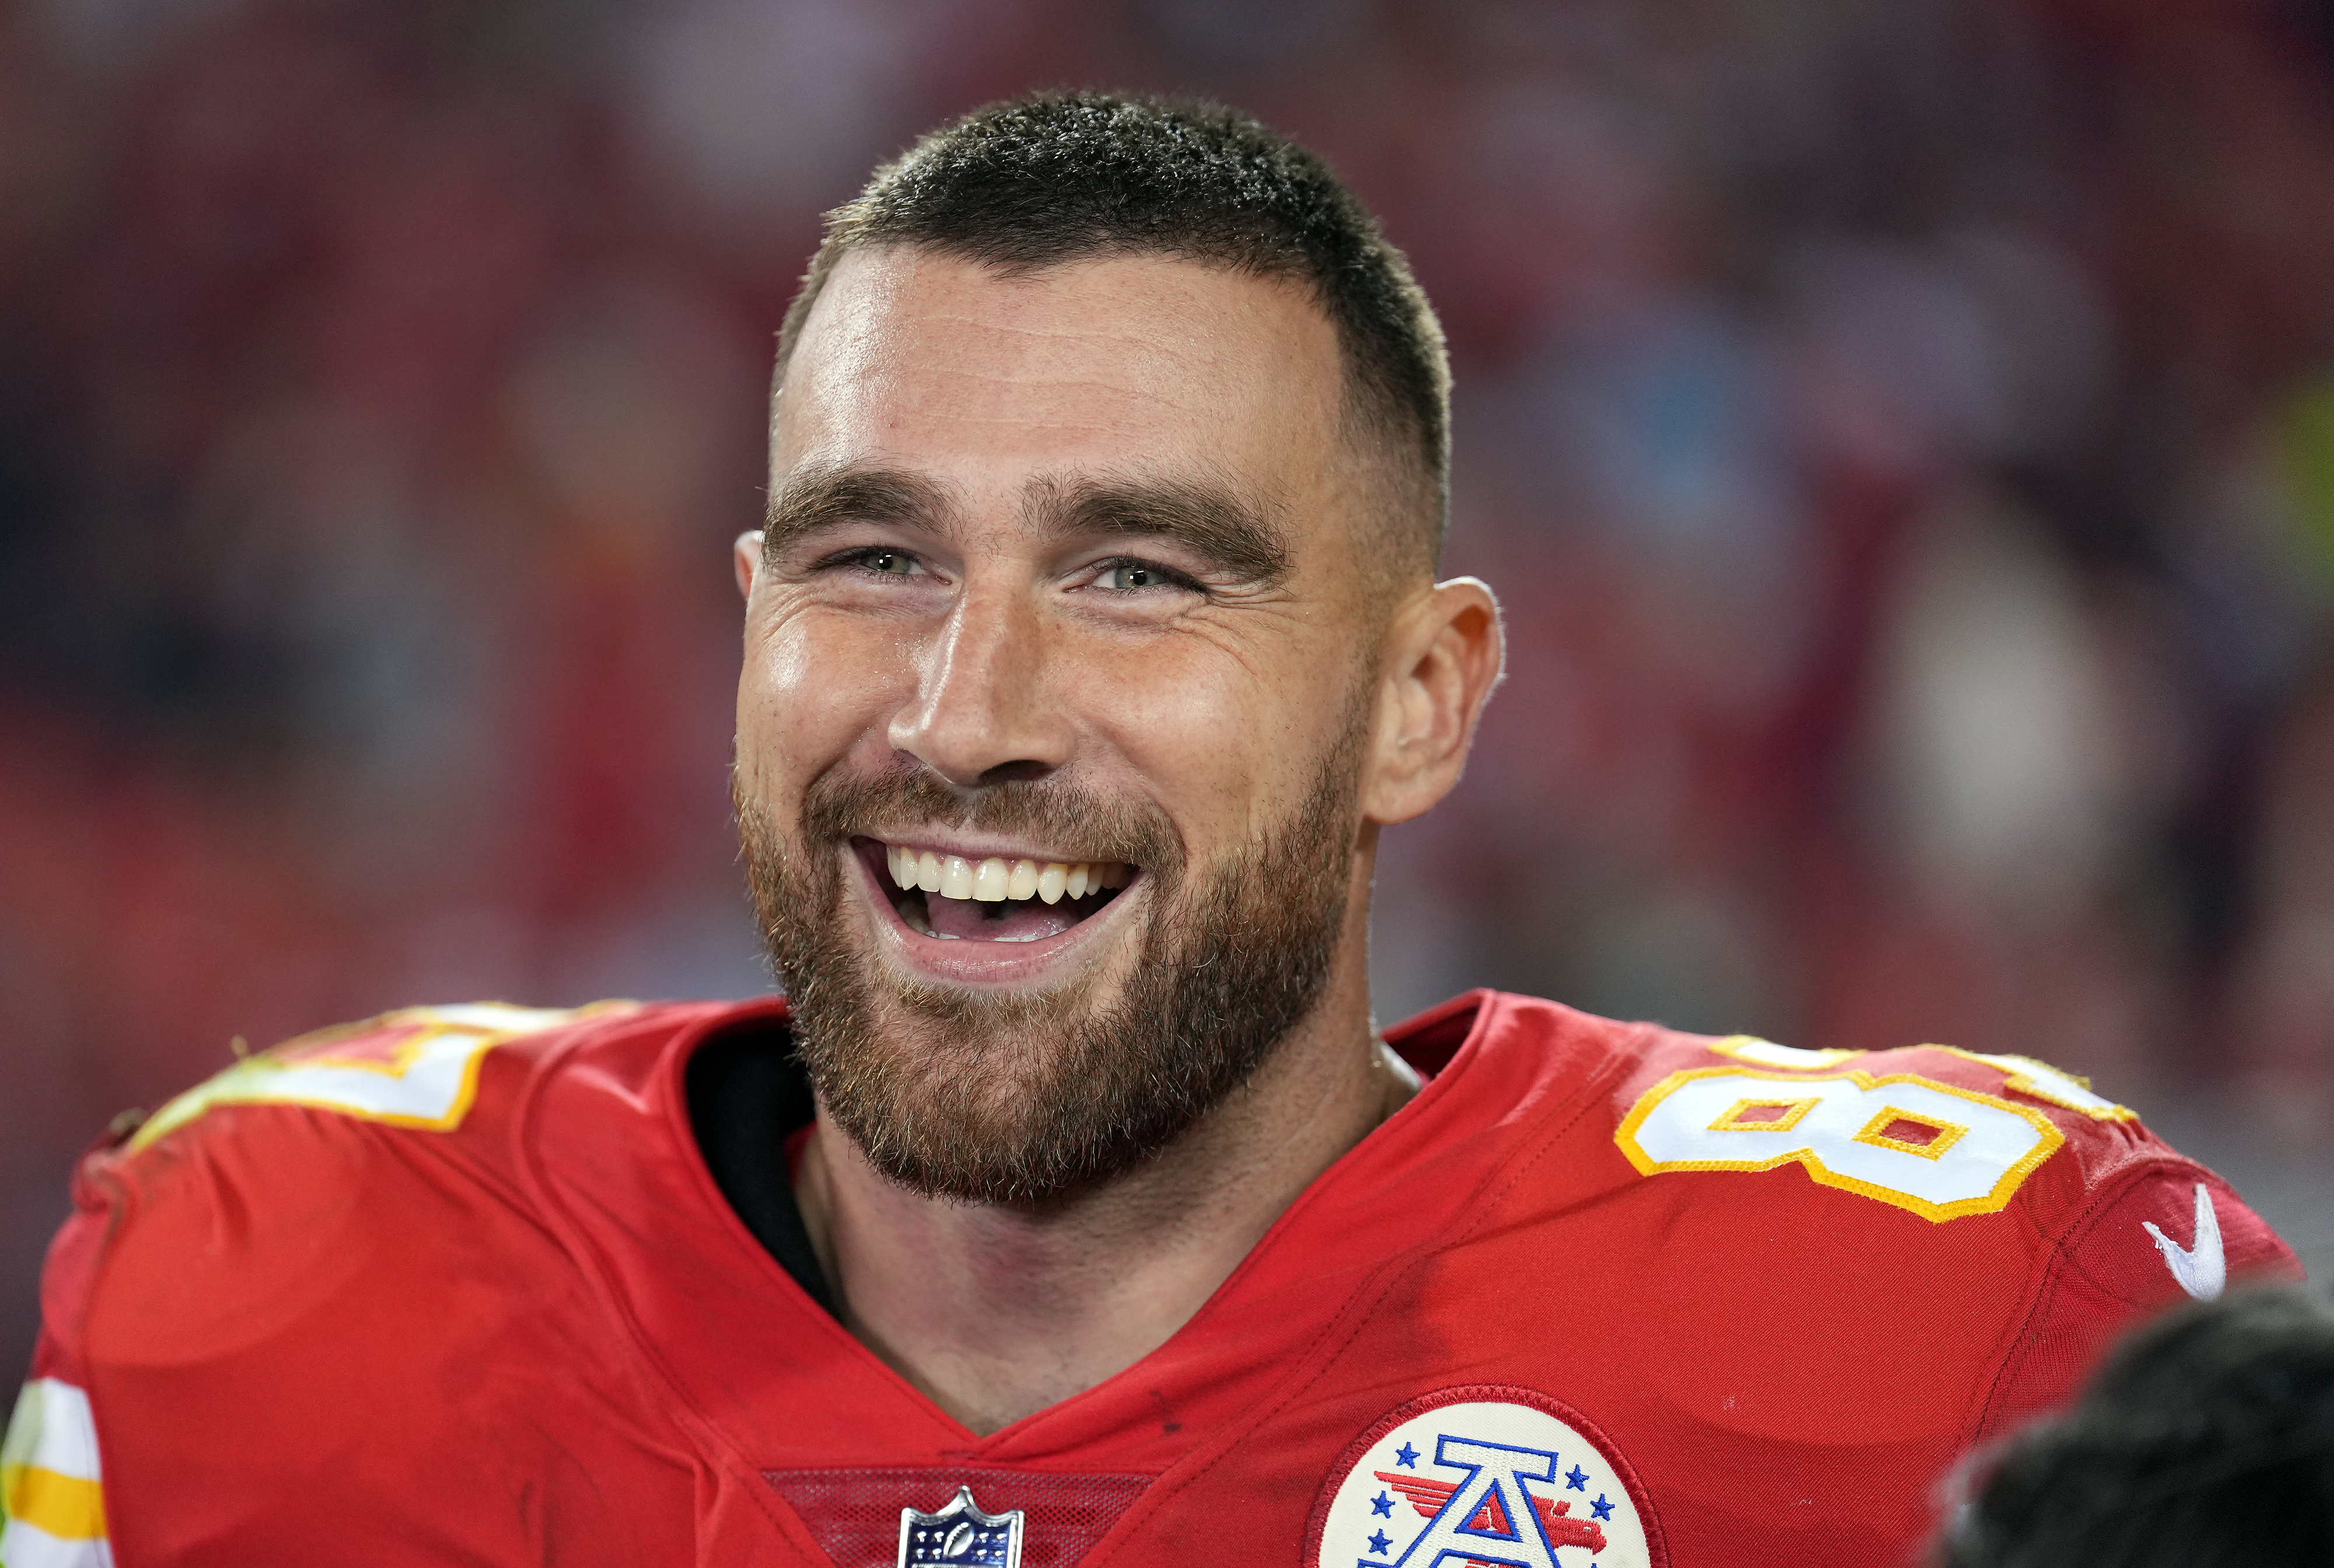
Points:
x=1072 y=1207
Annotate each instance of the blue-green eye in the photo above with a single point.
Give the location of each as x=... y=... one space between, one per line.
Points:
x=889 y=563
x=1128 y=575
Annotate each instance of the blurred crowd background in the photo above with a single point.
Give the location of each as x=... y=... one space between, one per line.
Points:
x=1901 y=431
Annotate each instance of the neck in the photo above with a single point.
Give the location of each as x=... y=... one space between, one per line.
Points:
x=994 y=1314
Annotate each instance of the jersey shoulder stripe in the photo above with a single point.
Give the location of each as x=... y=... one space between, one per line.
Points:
x=52 y=1502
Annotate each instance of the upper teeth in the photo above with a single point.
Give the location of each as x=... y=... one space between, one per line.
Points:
x=995 y=879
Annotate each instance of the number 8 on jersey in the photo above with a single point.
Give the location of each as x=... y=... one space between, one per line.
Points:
x=1931 y=1147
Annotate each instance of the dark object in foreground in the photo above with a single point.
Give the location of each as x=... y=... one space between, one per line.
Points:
x=2208 y=1438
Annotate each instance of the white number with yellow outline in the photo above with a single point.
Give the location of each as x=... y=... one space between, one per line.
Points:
x=1939 y=1151
x=417 y=1068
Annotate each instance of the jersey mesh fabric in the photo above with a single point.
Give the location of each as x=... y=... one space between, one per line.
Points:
x=531 y=1329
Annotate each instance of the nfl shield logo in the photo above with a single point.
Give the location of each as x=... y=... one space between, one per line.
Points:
x=960 y=1533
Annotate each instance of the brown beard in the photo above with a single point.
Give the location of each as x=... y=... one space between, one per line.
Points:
x=1025 y=1098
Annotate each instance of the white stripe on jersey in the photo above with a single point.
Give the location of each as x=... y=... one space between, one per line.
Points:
x=24 y=1544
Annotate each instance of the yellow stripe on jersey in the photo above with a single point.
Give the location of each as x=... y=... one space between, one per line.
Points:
x=66 y=1506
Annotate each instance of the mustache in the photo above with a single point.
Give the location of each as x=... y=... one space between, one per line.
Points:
x=1066 y=818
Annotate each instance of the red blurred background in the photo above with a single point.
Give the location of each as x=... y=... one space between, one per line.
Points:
x=1902 y=433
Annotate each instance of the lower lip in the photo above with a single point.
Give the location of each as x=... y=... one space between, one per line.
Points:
x=969 y=961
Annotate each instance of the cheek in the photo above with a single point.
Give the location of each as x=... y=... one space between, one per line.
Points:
x=810 y=688
x=1233 y=745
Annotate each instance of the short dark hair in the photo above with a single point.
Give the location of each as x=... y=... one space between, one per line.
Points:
x=1033 y=182
x=2207 y=1440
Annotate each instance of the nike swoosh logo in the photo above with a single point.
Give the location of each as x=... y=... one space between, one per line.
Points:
x=2201 y=1267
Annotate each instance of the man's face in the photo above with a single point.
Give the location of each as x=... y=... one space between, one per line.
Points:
x=1057 y=688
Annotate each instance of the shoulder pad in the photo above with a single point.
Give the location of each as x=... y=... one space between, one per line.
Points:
x=2023 y=1074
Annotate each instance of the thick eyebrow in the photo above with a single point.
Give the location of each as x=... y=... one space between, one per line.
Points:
x=826 y=498
x=1214 y=523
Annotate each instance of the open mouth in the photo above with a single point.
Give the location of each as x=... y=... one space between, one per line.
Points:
x=997 y=899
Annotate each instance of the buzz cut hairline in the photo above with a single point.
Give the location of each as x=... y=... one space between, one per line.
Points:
x=1030 y=184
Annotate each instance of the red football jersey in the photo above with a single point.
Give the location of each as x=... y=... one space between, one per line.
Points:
x=456 y=1285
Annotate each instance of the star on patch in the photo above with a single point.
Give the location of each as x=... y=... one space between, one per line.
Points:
x=1602 y=1508
x=1576 y=1479
x=1406 y=1456
x=1379 y=1541
x=1381 y=1505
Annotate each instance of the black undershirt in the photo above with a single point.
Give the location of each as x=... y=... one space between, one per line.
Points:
x=747 y=1097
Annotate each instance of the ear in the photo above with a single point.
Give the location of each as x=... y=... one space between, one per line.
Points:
x=1444 y=652
x=745 y=556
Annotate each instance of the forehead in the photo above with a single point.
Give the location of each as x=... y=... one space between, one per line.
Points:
x=1138 y=363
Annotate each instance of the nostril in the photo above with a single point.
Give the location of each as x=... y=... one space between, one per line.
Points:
x=1023 y=772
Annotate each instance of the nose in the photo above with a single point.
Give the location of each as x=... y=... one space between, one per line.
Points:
x=981 y=714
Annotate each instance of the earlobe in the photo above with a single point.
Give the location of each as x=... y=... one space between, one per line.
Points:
x=745 y=556
x=1445 y=653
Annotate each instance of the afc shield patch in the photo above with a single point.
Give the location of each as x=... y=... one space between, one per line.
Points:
x=1483 y=1474
x=960 y=1533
